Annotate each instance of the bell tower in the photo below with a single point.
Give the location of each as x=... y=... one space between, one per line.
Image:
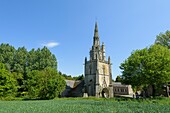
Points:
x=98 y=75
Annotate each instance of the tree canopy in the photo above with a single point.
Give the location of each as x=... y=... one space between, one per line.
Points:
x=24 y=72
x=148 y=66
x=8 y=84
x=118 y=79
x=69 y=77
x=163 y=39
x=45 y=84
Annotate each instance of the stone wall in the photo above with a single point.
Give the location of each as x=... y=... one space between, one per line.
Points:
x=120 y=89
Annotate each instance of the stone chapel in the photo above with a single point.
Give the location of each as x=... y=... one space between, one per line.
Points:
x=98 y=74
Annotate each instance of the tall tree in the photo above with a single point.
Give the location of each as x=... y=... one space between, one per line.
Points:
x=28 y=69
x=7 y=55
x=163 y=39
x=32 y=63
x=47 y=59
x=149 y=66
x=19 y=66
x=157 y=67
x=45 y=84
x=8 y=84
x=20 y=60
x=41 y=58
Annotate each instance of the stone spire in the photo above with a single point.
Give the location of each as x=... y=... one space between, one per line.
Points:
x=96 y=41
x=109 y=60
x=103 y=52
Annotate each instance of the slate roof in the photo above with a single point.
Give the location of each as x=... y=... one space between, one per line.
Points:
x=72 y=83
x=119 y=84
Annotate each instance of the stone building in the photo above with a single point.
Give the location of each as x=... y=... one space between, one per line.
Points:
x=98 y=74
x=122 y=89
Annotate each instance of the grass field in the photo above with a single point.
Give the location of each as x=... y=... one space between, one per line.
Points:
x=81 y=105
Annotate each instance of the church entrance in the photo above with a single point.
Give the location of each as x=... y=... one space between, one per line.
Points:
x=105 y=93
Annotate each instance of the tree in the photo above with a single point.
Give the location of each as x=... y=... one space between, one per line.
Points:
x=7 y=55
x=32 y=84
x=8 y=84
x=118 y=79
x=20 y=60
x=29 y=67
x=132 y=67
x=149 y=66
x=45 y=84
x=32 y=60
x=47 y=59
x=157 y=67
x=19 y=66
x=40 y=59
x=163 y=39
x=80 y=77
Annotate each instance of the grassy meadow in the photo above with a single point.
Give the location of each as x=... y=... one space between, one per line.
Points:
x=87 y=105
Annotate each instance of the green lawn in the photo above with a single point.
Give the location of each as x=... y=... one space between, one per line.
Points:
x=79 y=105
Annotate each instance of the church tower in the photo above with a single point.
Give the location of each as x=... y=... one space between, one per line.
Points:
x=98 y=75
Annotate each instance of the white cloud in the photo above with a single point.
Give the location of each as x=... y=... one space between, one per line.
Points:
x=51 y=44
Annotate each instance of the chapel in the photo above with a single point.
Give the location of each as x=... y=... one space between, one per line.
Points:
x=97 y=70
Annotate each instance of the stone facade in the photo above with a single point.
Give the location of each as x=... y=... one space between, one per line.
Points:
x=98 y=75
x=122 y=89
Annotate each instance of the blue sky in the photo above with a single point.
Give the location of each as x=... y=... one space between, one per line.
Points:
x=67 y=26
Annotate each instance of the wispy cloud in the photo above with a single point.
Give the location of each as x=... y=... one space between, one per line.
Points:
x=51 y=44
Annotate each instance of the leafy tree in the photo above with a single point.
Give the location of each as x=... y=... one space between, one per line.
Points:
x=157 y=67
x=29 y=67
x=47 y=59
x=69 y=77
x=7 y=55
x=54 y=84
x=132 y=67
x=32 y=83
x=80 y=77
x=41 y=58
x=149 y=66
x=8 y=84
x=20 y=60
x=19 y=66
x=32 y=63
x=45 y=84
x=118 y=79
x=163 y=39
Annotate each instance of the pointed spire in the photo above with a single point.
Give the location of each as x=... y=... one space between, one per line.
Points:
x=96 y=41
x=109 y=60
x=103 y=47
x=96 y=35
x=96 y=27
x=85 y=60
